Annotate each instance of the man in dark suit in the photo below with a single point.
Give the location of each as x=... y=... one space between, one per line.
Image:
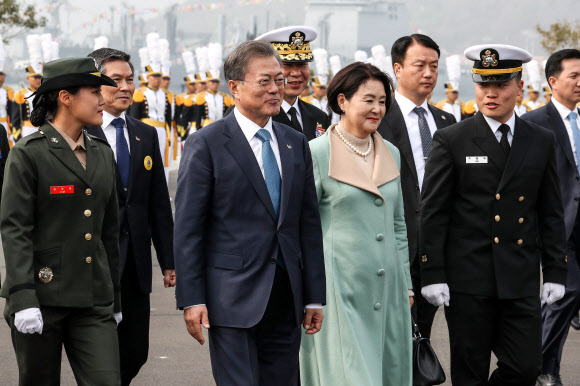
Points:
x=491 y=194
x=560 y=116
x=293 y=46
x=415 y=63
x=250 y=258
x=144 y=208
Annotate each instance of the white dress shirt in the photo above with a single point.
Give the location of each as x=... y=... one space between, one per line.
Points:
x=564 y=112
x=286 y=106
x=111 y=131
x=494 y=125
x=454 y=109
x=412 y=123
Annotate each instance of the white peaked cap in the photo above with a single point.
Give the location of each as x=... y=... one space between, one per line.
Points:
x=188 y=63
x=321 y=61
x=143 y=58
x=453 y=64
x=335 y=64
x=506 y=52
x=215 y=57
x=2 y=54
x=283 y=34
x=101 y=42
x=202 y=59
x=35 y=55
x=534 y=75
x=361 y=56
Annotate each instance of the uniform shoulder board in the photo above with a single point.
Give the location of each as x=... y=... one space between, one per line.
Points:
x=228 y=100
x=9 y=92
x=188 y=100
x=19 y=96
x=200 y=98
x=31 y=137
x=441 y=103
x=139 y=95
x=170 y=96
x=179 y=99
x=469 y=107
x=307 y=99
x=98 y=139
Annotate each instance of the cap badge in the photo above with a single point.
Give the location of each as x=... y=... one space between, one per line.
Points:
x=489 y=59
x=297 y=40
x=45 y=275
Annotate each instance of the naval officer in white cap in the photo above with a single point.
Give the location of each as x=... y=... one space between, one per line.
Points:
x=490 y=192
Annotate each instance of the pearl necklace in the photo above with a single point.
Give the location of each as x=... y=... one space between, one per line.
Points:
x=357 y=151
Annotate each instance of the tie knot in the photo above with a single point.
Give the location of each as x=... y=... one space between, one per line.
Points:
x=504 y=129
x=263 y=135
x=419 y=111
x=572 y=116
x=292 y=111
x=119 y=123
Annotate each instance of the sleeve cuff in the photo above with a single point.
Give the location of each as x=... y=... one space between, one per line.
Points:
x=313 y=305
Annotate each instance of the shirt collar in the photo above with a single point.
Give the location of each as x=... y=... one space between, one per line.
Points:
x=72 y=143
x=562 y=110
x=250 y=128
x=407 y=106
x=286 y=106
x=494 y=125
x=108 y=118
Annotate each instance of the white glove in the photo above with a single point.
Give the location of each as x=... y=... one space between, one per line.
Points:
x=552 y=292
x=118 y=317
x=28 y=321
x=436 y=294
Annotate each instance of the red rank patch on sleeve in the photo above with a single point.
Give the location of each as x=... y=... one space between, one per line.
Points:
x=62 y=189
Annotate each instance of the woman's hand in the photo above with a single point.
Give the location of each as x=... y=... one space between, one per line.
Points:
x=411 y=300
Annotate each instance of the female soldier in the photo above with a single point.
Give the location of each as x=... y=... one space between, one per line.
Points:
x=59 y=224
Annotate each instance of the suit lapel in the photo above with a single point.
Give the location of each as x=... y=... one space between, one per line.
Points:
x=94 y=157
x=440 y=120
x=396 y=123
x=560 y=131
x=135 y=150
x=520 y=148
x=240 y=149
x=287 y=161
x=308 y=124
x=486 y=141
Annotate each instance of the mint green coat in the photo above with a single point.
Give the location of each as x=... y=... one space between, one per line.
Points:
x=366 y=333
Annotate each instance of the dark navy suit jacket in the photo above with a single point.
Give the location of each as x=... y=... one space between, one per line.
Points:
x=228 y=236
x=145 y=208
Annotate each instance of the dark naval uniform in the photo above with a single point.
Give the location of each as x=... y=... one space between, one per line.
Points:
x=314 y=121
x=60 y=232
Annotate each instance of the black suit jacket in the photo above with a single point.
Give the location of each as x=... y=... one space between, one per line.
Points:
x=4 y=151
x=548 y=117
x=145 y=208
x=481 y=222
x=393 y=129
x=229 y=236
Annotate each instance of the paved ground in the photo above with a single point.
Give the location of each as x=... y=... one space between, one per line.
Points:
x=175 y=358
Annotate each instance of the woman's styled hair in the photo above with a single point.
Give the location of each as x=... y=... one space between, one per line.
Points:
x=348 y=80
x=45 y=105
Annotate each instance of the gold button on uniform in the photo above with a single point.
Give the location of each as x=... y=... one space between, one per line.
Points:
x=88 y=191
x=497 y=196
x=424 y=258
x=496 y=240
x=521 y=220
x=88 y=236
x=89 y=260
x=87 y=213
x=520 y=242
x=497 y=218
x=521 y=199
x=565 y=259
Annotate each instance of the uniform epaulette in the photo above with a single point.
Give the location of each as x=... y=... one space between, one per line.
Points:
x=461 y=104
x=31 y=137
x=469 y=107
x=200 y=98
x=307 y=99
x=170 y=96
x=91 y=137
x=228 y=100
x=9 y=92
x=440 y=104
x=188 y=100
x=19 y=97
x=179 y=99
x=139 y=95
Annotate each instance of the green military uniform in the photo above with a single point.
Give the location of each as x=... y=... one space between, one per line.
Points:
x=60 y=232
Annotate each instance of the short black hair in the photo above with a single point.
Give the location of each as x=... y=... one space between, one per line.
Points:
x=236 y=64
x=554 y=63
x=104 y=55
x=401 y=45
x=348 y=80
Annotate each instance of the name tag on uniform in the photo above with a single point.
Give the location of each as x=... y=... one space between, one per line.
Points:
x=476 y=160
x=62 y=189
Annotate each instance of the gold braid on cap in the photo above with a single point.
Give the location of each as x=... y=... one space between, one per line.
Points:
x=496 y=71
x=287 y=51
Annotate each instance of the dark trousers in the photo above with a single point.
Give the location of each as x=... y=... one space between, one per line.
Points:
x=133 y=331
x=556 y=318
x=89 y=338
x=422 y=311
x=263 y=355
x=511 y=328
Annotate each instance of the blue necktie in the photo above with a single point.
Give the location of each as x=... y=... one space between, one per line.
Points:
x=123 y=157
x=272 y=176
x=426 y=139
x=576 y=134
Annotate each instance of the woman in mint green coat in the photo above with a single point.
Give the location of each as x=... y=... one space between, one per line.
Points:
x=366 y=335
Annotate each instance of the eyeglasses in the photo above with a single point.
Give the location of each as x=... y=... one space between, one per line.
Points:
x=265 y=84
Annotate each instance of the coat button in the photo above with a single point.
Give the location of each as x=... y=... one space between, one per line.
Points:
x=520 y=242
x=273 y=260
x=88 y=213
x=417 y=212
x=521 y=220
x=380 y=237
x=496 y=240
x=424 y=258
x=88 y=192
x=497 y=218
x=381 y=272
x=378 y=306
x=417 y=187
x=497 y=196
x=88 y=236
x=89 y=260
x=378 y=202
x=521 y=199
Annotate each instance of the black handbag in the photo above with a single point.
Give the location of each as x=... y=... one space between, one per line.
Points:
x=427 y=370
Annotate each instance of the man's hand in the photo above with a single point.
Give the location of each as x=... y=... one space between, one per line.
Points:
x=29 y=321
x=436 y=294
x=193 y=316
x=411 y=301
x=552 y=292
x=313 y=320
x=169 y=278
